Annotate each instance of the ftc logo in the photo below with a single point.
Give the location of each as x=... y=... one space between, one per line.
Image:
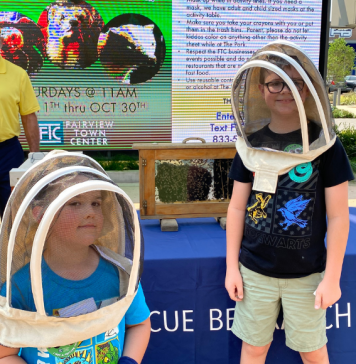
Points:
x=51 y=132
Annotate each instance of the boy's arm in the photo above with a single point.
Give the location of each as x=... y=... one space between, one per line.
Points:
x=10 y=356
x=336 y=199
x=136 y=340
x=234 y=232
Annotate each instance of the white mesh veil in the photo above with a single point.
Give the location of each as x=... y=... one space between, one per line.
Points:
x=252 y=113
x=71 y=254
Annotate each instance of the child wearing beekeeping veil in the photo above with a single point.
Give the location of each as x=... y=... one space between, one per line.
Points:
x=84 y=269
x=290 y=172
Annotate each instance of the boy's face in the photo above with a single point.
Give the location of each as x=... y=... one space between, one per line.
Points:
x=80 y=221
x=282 y=103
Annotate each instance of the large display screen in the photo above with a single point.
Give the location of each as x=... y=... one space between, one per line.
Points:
x=111 y=73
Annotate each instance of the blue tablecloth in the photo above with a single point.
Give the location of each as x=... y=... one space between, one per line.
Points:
x=183 y=281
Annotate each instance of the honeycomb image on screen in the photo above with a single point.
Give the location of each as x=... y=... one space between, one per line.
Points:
x=131 y=48
x=71 y=30
x=23 y=41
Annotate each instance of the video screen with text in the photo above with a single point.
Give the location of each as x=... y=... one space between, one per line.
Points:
x=111 y=73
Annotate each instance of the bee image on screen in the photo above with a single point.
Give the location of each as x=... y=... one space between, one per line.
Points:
x=131 y=48
x=23 y=42
x=71 y=30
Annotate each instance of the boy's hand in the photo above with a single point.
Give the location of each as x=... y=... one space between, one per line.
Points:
x=327 y=294
x=234 y=285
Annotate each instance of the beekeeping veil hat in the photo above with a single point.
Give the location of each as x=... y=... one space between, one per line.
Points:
x=252 y=114
x=37 y=207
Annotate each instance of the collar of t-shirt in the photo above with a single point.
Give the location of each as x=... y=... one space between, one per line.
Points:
x=267 y=138
x=50 y=275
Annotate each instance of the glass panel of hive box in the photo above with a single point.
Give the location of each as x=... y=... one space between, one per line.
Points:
x=192 y=180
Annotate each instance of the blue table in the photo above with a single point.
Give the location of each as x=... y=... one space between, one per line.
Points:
x=183 y=281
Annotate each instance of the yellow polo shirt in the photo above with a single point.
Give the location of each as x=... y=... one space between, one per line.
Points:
x=16 y=97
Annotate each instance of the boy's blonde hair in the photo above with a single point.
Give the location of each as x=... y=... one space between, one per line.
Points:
x=281 y=63
x=54 y=188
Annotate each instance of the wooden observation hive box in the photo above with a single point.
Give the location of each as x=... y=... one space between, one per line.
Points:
x=184 y=180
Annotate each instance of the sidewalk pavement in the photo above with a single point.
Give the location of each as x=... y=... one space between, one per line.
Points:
x=346 y=121
x=342 y=123
x=352 y=193
x=349 y=108
x=132 y=189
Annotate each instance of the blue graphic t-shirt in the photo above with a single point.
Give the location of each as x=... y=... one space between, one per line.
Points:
x=102 y=287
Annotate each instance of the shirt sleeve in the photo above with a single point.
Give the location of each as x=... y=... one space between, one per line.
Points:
x=239 y=172
x=336 y=166
x=28 y=101
x=138 y=310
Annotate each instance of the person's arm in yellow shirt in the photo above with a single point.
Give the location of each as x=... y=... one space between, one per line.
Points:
x=32 y=131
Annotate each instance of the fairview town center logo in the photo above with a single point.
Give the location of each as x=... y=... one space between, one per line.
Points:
x=51 y=132
x=76 y=133
x=88 y=132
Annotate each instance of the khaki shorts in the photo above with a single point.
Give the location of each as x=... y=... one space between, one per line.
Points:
x=256 y=315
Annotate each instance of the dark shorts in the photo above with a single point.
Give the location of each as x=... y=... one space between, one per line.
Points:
x=11 y=156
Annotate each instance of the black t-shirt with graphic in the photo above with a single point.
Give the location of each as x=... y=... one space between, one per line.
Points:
x=284 y=232
x=266 y=138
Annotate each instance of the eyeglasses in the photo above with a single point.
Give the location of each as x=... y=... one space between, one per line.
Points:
x=275 y=87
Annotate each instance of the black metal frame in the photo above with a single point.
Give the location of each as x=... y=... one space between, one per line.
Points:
x=324 y=37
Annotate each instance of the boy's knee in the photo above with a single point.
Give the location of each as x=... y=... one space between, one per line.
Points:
x=319 y=356
x=255 y=351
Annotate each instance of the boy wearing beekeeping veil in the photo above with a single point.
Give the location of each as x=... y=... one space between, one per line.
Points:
x=290 y=172
x=70 y=268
